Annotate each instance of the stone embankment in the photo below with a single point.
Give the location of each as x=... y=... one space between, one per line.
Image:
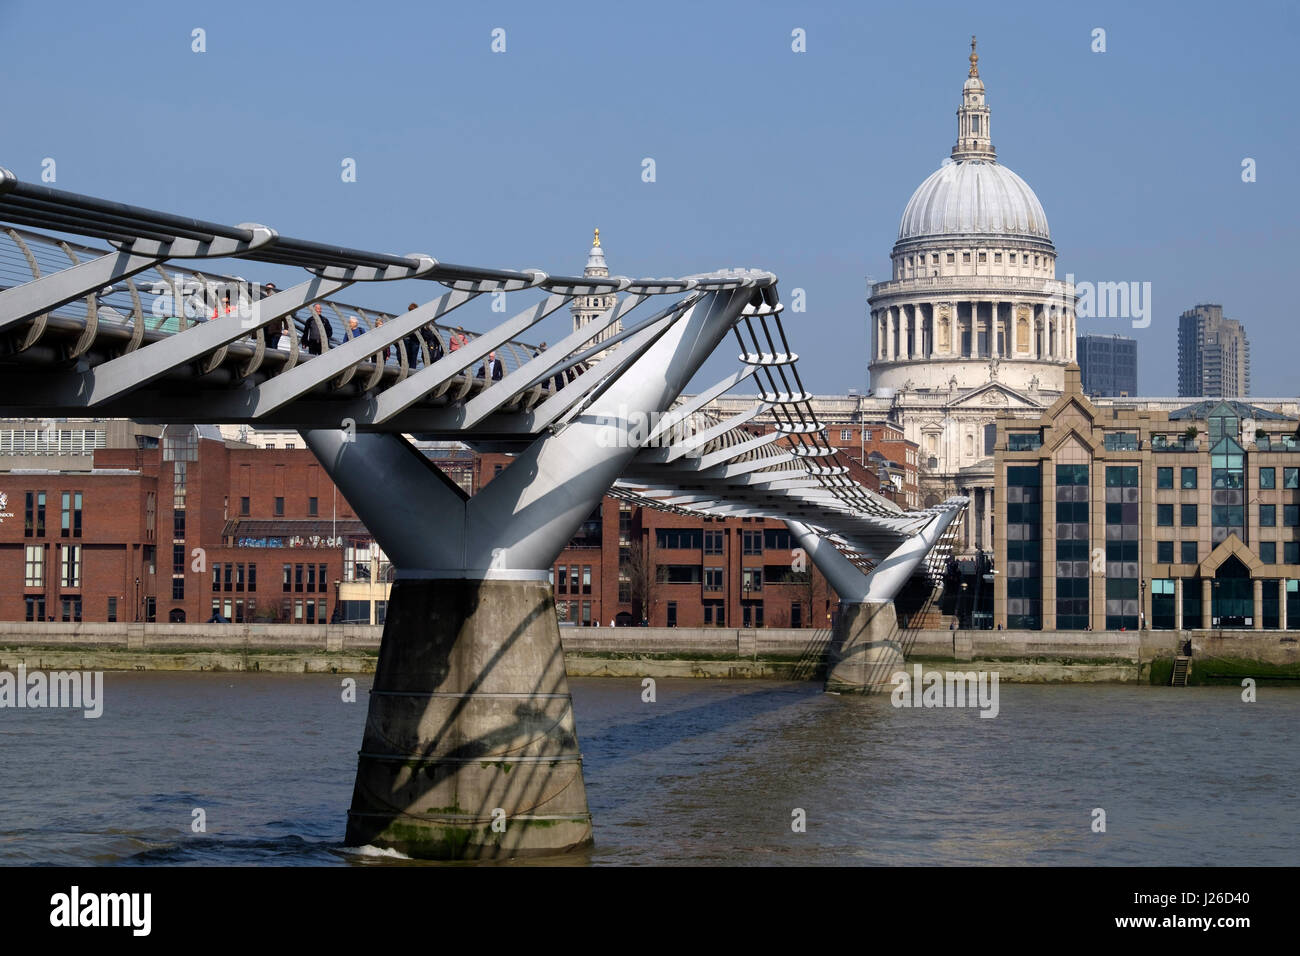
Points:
x=770 y=653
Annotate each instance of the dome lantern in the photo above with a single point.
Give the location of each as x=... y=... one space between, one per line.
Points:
x=973 y=137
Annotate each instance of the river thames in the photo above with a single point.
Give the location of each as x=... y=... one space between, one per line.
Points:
x=712 y=772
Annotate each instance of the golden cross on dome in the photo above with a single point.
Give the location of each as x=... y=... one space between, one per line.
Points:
x=596 y=242
x=974 y=58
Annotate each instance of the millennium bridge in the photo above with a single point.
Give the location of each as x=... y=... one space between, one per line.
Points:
x=470 y=748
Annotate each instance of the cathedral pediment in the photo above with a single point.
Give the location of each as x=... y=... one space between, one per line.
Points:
x=994 y=395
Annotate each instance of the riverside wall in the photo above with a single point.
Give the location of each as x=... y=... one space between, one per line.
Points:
x=775 y=653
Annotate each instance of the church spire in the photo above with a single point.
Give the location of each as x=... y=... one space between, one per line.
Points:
x=973 y=140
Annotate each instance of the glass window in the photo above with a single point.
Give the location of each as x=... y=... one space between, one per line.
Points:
x=777 y=539
x=678 y=537
x=713 y=542
x=1267 y=516
x=1267 y=478
x=1291 y=552
x=1268 y=552
x=1187 y=516
x=1291 y=477
x=1291 y=515
x=1189 y=552
x=71 y=566
x=562 y=579
x=714 y=613
x=34 y=576
x=678 y=573
x=1024 y=441
x=1189 y=478
x=1164 y=477
x=1164 y=552
x=1165 y=516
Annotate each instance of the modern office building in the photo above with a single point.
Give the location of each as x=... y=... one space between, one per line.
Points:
x=1213 y=354
x=1108 y=365
x=1124 y=518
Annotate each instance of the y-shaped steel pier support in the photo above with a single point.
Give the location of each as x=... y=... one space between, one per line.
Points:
x=470 y=749
x=865 y=650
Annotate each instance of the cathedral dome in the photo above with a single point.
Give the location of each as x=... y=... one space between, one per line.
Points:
x=973 y=197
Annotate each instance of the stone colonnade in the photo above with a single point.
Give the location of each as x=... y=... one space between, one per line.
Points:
x=1008 y=328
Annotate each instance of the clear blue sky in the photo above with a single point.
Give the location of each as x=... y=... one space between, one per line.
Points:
x=797 y=163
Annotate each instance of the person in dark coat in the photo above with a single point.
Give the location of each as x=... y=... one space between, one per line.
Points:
x=411 y=343
x=433 y=343
x=311 y=334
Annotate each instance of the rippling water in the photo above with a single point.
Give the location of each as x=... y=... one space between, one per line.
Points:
x=710 y=773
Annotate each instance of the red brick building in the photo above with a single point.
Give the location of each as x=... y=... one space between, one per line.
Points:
x=180 y=532
x=877 y=446
x=192 y=527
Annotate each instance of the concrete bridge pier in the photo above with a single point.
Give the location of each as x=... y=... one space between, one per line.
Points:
x=865 y=646
x=470 y=749
x=865 y=649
